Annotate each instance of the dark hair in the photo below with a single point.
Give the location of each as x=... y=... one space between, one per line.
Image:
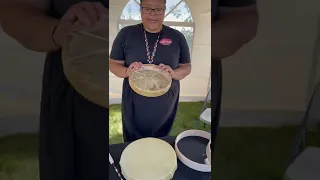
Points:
x=165 y=2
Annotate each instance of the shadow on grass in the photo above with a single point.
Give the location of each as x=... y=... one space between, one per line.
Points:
x=256 y=153
x=19 y=157
x=19 y=145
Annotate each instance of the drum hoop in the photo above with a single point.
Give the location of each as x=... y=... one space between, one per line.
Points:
x=191 y=164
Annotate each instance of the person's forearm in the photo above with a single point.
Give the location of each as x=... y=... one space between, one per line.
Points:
x=29 y=26
x=182 y=71
x=118 y=69
x=231 y=32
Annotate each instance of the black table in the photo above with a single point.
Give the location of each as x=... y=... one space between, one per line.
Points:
x=183 y=172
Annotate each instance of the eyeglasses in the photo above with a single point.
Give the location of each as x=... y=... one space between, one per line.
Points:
x=148 y=10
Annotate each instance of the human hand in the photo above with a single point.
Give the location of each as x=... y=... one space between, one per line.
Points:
x=83 y=14
x=168 y=69
x=134 y=66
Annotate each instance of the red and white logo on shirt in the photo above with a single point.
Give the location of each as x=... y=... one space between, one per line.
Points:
x=165 y=41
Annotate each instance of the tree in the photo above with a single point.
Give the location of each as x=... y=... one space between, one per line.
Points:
x=188 y=34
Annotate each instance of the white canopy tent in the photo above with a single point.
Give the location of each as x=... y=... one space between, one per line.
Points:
x=189 y=17
x=267 y=83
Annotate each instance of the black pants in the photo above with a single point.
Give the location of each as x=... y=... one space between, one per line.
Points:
x=74 y=133
x=216 y=95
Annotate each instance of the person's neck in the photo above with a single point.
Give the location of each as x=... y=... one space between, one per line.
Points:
x=153 y=31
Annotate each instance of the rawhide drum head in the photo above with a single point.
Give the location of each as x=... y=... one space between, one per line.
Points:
x=148 y=159
x=150 y=81
x=85 y=60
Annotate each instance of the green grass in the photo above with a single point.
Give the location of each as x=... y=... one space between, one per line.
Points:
x=18 y=157
x=186 y=118
x=241 y=153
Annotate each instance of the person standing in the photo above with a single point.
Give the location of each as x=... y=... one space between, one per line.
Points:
x=149 y=42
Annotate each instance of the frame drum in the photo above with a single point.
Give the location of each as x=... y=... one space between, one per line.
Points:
x=150 y=81
x=85 y=61
x=148 y=159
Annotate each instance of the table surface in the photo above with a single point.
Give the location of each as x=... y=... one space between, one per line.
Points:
x=183 y=172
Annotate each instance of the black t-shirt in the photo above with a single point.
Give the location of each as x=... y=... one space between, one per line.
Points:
x=228 y=3
x=129 y=46
x=236 y=3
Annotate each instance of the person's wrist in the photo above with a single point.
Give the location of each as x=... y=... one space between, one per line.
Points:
x=126 y=73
